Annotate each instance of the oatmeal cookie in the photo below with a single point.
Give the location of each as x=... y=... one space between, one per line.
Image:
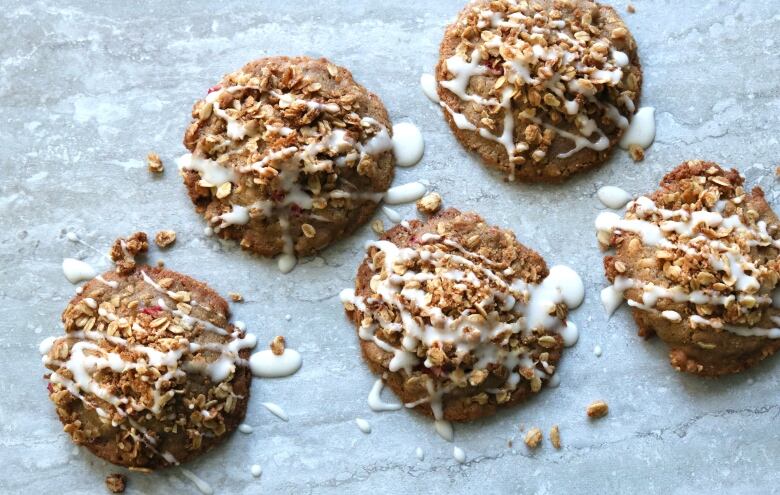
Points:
x=539 y=89
x=287 y=155
x=150 y=373
x=459 y=317
x=698 y=260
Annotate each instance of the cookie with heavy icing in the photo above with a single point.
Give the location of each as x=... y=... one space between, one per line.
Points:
x=150 y=373
x=698 y=260
x=539 y=89
x=287 y=155
x=459 y=317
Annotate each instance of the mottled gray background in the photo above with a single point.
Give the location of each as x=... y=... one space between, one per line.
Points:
x=88 y=88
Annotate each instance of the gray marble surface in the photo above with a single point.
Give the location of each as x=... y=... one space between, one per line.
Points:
x=88 y=88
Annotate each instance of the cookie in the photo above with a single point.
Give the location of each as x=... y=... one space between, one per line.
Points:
x=459 y=317
x=698 y=260
x=540 y=90
x=150 y=373
x=287 y=155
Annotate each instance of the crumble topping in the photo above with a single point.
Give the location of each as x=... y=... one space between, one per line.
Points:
x=165 y=238
x=124 y=251
x=597 y=409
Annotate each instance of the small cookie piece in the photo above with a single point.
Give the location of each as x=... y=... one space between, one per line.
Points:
x=533 y=438
x=124 y=251
x=459 y=317
x=116 y=482
x=150 y=373
x=164 y=238
x=429 y=204
x=287 y=155
x=698 y=260
x=597 y=409
x=539 y=90
x=555 y=436
x=153 y=163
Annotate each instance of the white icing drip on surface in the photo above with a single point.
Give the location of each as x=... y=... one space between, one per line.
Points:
x=613 y=197
x=363 y=425
x=391 y=214
x=428 y=85
x=256 y=470
x=266 y=364
x=408 y=144
x=245 y=428
x=276 y=410
x=444 y=429
x=642 y=129
x=375 y=401
x=405 y=193
x=458 y=454
x=77 y=271
x=200 y=484
x=597 y=351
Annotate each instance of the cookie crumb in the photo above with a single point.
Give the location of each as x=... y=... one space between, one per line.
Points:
x=236 y=297
x=165 y=238
x=598 y=409
x=124 y=251
x=378 y=226
x=277 y=345
x=631 y=9
x=160 y=263
x=429 y=204
x=777 y=172
x=154 y=163
x=636 y=152
x=555 y=437
x=116 y=482
x=533 y=438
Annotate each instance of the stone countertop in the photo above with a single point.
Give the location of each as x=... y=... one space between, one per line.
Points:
x=88 y=88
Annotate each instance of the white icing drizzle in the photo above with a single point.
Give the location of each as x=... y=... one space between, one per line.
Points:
x=266 y=364
x=276 y=410
x=517 y=61
x=531 y=305
x=682 y=230
x=363 y=425
x=642 y=129
x=444 y=429
x=458 y=454
x=408 y=144
x=405 y=193
x=201 y=485
x=76 y=270
x=613 y=197
x=428 y=85
x=375 y=401
x=391 y=214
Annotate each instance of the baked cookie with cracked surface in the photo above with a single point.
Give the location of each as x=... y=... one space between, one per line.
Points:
x=539 y=89
x=150 y=373
x=459 y=317
x=698 y=260
x=287 y=155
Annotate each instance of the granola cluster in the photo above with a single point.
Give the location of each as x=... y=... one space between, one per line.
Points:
x=290 y=146
x=564 y=71
x=147 y=369
x=124 y=250
x=447 y=309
